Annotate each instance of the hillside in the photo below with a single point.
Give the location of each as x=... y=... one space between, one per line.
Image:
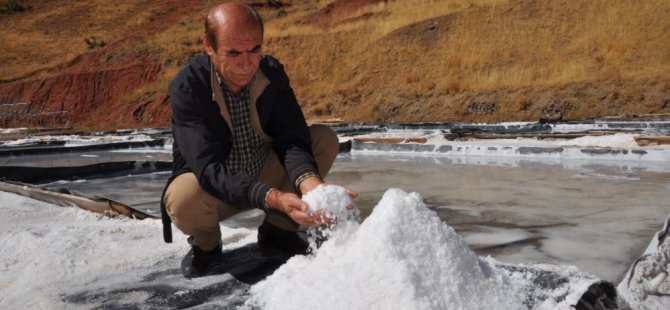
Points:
x=108 y=63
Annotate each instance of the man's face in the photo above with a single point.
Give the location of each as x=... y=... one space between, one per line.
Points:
x=238 y=54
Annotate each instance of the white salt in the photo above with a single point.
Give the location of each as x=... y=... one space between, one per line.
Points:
x=401 y=257
x=48 y=252
x=333 y=199
x=647 y=285
x=336 y=205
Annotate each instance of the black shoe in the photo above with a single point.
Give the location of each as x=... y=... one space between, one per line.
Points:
x=272 y=239
x=198 y=263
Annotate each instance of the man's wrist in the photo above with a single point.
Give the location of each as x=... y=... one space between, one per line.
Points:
x=309 y=184
x=258 y=193
x=304 y=177
x=267 y=205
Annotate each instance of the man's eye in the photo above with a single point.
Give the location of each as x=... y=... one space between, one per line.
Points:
x=255 y=50
x=233 y=53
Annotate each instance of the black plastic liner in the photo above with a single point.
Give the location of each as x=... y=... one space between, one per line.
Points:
x=50 y=149
x=108 y=169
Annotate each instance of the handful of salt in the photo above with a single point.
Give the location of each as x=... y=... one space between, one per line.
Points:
x=336 y=205
x=332 y=199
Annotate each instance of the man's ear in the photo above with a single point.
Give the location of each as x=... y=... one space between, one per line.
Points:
x=208 y=45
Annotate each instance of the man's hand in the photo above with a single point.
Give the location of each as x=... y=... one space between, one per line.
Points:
x=295 y=208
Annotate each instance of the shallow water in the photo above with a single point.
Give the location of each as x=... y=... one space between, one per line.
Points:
x=597 y=216
x=88 y=158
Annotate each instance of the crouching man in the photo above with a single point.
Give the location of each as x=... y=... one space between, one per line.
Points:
x=240 y=142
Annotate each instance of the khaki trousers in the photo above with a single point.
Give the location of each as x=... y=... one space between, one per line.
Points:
x=197 y=213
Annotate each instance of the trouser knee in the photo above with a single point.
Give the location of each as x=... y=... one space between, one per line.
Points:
x=195 y=212
x=325 y=146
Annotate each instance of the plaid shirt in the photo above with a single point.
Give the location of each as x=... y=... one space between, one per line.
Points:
x=249 y=151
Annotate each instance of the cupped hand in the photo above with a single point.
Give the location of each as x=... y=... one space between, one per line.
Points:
x=295 y=208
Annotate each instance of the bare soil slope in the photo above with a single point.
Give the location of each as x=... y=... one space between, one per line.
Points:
x=108 y=63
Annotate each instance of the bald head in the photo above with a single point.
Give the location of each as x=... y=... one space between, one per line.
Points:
x=229 y=17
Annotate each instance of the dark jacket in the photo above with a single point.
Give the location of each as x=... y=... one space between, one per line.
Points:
x=203 y=132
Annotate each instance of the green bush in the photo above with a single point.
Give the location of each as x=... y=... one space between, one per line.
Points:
x=11 y=6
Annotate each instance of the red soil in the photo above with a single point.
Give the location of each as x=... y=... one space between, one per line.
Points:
x=89 y=87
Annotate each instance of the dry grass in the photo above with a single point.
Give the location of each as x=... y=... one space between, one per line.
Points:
x=173 y=46
x=475 y=46
x=489 y=44
x=562 y=42
x=374 y=60
x=54 y=32
x=493 y=44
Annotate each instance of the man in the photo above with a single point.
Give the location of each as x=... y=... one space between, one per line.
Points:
x=240 y=141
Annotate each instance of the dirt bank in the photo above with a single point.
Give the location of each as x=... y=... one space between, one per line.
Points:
x=360 y=60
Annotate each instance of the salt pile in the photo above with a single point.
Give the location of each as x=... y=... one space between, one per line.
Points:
x=647 y=284
x=401 y=257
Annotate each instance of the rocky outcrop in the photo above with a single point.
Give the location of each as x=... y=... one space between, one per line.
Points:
x=86 y=89
x=79 y=93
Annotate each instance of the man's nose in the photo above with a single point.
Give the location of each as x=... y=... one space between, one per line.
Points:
x=247 y=61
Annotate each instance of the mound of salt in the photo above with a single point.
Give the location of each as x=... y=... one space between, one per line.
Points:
x=401 y=257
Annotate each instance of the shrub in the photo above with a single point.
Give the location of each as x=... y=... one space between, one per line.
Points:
x=11 y=6
x=93 y=42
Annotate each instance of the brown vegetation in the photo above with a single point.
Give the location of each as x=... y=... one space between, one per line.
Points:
x=360 y=60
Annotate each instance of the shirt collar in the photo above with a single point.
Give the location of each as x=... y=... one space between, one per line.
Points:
x=227 y=89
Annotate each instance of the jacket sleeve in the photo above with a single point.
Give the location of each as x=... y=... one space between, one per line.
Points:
x=204 y=153
x=290 y=134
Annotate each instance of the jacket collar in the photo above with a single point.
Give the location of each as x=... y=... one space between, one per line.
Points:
x=256 y=88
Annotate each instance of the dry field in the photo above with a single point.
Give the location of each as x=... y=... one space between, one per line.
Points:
x=389 y=61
